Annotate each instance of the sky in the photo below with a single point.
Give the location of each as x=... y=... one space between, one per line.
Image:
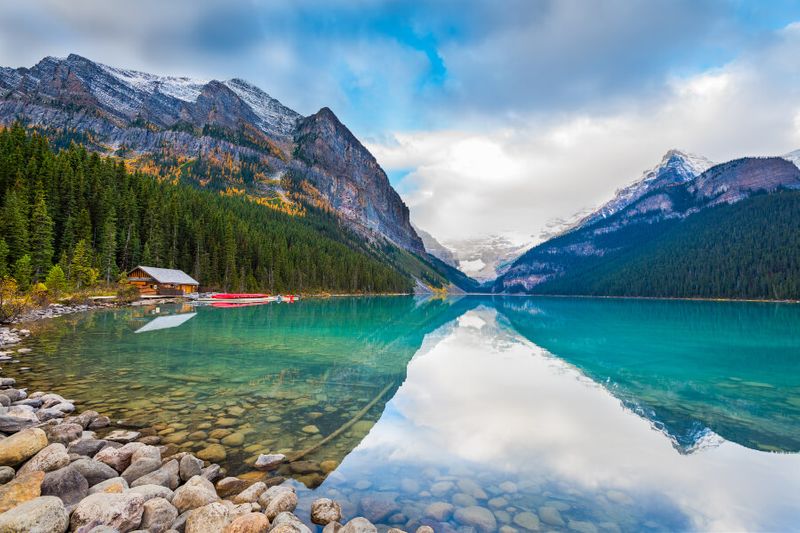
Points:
x=490 y=117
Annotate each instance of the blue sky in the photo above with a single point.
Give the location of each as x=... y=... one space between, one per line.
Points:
x=518 y=113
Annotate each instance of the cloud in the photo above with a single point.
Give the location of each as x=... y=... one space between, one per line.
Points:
x=529 y=176
x=501 y=117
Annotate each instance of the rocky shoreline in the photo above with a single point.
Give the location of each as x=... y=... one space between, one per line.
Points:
x=63 y=471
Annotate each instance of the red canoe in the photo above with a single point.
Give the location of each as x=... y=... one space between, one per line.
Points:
x=237 y=295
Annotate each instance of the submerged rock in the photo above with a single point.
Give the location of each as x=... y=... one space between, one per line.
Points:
x=359 y=525
x=269 y=461
x=213 y=453
x=480 y=518
x=551 y=516
x=527 y=520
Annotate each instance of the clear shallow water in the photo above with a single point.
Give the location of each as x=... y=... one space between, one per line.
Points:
x=571 y=414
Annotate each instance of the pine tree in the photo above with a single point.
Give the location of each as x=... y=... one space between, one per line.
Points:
x=41 y=237
x=108 y=247
x=3 y=258
x=23 y=272
x=15 y=226
x=83 y=275
x=56 y=280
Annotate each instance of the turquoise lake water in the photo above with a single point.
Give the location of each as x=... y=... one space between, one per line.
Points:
x=482 y=413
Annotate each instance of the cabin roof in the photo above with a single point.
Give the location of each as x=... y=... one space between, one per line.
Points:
x=168 y=275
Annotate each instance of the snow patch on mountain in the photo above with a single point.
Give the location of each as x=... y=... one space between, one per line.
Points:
x=793 y=157
x=274 y=115
x=486 y=258
x=186 y=89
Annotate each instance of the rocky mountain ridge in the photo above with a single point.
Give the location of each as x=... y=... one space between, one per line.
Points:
x=666 y=193
x=225 y=135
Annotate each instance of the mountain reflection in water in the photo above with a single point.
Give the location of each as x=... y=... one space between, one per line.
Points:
x=592 y=415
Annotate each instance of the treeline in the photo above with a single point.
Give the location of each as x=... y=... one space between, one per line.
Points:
x=92 y=220
x=750 y=249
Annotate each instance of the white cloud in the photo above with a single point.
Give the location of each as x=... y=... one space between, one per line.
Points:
x=488 y=178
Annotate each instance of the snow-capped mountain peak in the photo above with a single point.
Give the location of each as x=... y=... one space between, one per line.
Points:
x=675 y=167
x=793 y=157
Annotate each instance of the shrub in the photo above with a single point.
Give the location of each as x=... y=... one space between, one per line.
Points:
x=12 y=302
x=127 y=293
x=40 y=295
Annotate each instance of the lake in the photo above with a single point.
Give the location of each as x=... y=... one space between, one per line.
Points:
x=468 y=414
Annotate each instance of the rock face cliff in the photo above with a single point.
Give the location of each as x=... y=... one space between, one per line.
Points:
x=347 y=175
x=638 y=211
x=228 y=135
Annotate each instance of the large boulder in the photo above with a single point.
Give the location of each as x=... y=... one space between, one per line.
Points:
x=63 y=433
x=94 y=471
x=49 y=458
x=12 y=424
x=66 y=483
x=116 y=485
x=153 y=491
x=249 y=523
x=87 y=447
x=190 y=466
x=118 y=458
x=45 y=514
x=251 y=493
x=210 y=518
x=230 y=486
x=158 y=515
x=197 y=492
x=276 y=500
x=24 y=488
x=141 y=467
x=166 y=476
x=288 y=523
x=120 y=511
x=21 y=446
x=324 y=511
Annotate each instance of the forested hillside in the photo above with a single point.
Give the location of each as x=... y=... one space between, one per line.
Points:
x=750 y=249
x=94 y=219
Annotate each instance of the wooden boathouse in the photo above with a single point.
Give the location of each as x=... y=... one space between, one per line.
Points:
x=162 y=281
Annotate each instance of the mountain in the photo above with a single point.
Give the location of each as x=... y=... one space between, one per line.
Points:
x=224 y=136
x=485 y=258
x=676 y=167
x=793 y=157
x=595 y=258
x=435 y=248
